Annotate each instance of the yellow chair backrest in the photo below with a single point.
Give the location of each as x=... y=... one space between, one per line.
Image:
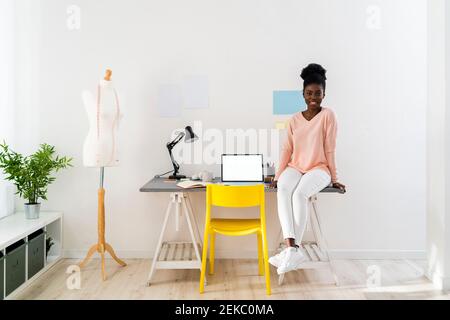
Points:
x=235 y=196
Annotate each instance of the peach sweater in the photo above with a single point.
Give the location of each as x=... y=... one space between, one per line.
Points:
x=310 y=144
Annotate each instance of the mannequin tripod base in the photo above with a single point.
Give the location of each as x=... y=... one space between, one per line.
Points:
x=102 y=249
x=102 y=246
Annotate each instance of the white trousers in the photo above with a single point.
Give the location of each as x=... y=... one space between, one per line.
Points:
x=294 y=191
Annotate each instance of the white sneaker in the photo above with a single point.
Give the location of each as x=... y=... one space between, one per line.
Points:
x=278 y=258
x=291 y=260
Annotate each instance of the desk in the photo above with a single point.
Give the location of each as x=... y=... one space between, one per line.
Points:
x=166 y=185
x=186 y=255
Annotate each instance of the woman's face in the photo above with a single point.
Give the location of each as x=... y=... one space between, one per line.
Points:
x=313 y=94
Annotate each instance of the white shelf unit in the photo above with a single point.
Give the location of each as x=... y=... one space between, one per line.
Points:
x=16 y=227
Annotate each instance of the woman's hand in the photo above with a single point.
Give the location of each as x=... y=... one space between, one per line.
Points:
x=273 y=184
x=339 y=186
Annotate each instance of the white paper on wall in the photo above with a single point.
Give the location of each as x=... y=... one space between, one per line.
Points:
x=169 y=101
x=196 y=92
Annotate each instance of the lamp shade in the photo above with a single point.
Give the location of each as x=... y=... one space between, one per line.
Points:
x=190 y=135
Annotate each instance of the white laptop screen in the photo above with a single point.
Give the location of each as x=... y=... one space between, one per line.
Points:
x=242 y=168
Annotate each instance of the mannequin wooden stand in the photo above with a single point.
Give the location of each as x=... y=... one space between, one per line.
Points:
x=101 y=247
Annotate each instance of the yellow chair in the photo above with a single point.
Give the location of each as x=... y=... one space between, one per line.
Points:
x=235 y=196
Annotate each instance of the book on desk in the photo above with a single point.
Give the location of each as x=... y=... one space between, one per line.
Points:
x=191 y=184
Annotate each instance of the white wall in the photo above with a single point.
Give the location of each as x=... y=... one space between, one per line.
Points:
x=376 y=85
x=438 y=147
x=7 y=21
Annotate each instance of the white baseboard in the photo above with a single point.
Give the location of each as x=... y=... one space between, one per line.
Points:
x=228 y=254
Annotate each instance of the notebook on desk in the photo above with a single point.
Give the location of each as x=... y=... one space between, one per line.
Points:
x=192 y=184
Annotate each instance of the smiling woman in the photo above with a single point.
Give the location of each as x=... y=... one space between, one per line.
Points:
x=307 y=166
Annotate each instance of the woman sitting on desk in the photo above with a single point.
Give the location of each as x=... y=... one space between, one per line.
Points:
x=307 y=166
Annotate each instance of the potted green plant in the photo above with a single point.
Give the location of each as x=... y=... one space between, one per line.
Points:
x=32 y=174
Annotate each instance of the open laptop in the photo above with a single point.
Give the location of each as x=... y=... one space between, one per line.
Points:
x=242 y=168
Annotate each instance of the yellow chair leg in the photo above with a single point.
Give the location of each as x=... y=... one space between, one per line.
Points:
x=203 y=271
x=266 y=261
x=260 y=254
x=212 y=249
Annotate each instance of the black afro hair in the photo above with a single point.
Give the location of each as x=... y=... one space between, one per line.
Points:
x=313 y=74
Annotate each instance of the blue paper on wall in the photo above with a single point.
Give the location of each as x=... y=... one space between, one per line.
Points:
x=288 y=102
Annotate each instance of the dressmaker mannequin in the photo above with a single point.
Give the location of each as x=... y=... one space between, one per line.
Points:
x=100 y=150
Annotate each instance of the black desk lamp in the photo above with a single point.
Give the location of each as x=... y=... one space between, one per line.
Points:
x=190 y=136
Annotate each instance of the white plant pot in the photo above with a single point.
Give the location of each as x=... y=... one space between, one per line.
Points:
x=32 y=210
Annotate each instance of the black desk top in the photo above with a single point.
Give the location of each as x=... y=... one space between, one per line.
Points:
x=166 y=185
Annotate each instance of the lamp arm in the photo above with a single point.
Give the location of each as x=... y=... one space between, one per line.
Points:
x=175 y=164
x=170 y=146
x=177 y=139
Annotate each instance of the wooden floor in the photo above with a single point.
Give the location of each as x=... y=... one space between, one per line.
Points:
x=236 y=279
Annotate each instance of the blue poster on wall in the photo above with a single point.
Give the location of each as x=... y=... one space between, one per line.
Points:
x=288 y=102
